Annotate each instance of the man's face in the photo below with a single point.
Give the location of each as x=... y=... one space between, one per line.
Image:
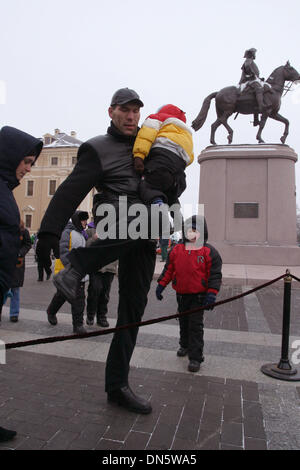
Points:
x=125 y=117
x=24 y=167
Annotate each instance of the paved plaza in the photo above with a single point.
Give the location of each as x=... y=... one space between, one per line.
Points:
x=53 y=394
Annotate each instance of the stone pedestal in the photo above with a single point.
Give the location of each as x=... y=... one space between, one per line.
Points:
x=249 y=198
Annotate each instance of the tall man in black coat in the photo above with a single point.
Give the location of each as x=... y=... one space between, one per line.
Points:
x=18 y=152
x=106 y=162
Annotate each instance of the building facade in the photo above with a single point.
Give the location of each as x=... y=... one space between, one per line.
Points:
x=55 y=163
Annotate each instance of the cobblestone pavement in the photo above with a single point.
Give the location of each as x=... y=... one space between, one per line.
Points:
x=53 y=394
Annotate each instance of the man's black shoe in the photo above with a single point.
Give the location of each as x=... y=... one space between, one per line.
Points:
x=6 y=434
x=67 y=282
x=125 y=397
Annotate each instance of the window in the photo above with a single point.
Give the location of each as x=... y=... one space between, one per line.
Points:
x=30 y=185
x=52 y=187
x=74 y=160
x=28 y=220
x=47 y=140
x=54 y=161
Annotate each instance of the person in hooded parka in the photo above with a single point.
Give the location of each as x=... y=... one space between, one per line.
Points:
x=18 y=152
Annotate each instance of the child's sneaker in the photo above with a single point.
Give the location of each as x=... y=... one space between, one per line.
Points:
x=194 y=366
x=182 y=352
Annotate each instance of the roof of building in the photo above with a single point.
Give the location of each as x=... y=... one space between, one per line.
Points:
x=61 y=139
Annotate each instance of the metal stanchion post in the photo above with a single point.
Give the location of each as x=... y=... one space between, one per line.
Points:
x=283 y=370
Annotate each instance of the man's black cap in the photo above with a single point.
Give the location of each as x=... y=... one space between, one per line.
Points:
x=125 y=95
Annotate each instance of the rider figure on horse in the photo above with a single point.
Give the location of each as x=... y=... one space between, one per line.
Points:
x=250 y=78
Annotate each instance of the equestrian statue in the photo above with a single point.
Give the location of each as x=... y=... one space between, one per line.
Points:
x=254 y=96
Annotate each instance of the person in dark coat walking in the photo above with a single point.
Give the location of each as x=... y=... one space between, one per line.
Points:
x=19 y=273
x=18 y=152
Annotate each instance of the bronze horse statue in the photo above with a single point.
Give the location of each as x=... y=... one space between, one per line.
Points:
x=230 y=100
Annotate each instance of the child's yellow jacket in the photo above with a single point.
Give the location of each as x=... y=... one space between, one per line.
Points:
x=165 y=129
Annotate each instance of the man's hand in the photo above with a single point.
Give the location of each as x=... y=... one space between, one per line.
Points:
x=139 y=165
x=210 y=298
x=47 y=242
x=158 y=291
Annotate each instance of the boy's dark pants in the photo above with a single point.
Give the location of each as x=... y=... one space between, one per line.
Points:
x=191 y=327
x=163 y=178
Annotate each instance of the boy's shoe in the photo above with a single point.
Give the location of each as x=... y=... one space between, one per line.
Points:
x=52 y=318
x=194 y=366
x=89 y=320
x=79 y=330
x=67 y=282
x=182 y=352
x=102 y=321
x=6 y=434
x=14 y=318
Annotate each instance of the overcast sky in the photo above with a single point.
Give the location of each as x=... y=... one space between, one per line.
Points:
x=61 y=61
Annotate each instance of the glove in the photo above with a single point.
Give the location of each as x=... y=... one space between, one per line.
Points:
x=47 y=242
x=20 y=262
x=158 y=292
x=139 y=165
x=210 y=298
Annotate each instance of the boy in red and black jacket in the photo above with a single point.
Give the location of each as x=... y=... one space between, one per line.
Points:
x=195 y=269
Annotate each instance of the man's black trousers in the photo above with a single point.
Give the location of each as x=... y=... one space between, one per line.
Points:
x=136 y=267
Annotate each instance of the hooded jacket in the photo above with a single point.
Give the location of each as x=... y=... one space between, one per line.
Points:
x=15 y=145
x=194 y=271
